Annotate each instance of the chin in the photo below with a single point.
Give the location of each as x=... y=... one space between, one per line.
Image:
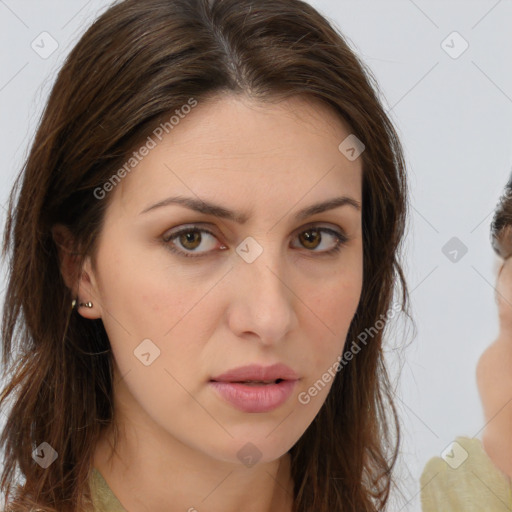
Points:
x=252 y=448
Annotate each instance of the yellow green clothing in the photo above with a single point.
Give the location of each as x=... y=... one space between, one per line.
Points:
x=468 y=482
x=103 y=498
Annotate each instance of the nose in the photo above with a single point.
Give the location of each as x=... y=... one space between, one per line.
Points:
x=262 y=302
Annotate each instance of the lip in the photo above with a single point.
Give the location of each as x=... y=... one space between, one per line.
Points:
x=257 y=373
x=256 y=397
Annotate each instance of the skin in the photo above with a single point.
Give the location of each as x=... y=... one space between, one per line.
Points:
x=208 y=314
x=495 y=378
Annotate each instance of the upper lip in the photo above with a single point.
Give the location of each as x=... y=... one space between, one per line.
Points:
x=257 y=373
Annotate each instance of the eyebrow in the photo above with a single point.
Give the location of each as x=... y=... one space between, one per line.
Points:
x=216 y=210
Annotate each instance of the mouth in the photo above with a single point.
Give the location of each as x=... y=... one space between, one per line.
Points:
x=256 y=389
x=258 y=374
x=252 y=382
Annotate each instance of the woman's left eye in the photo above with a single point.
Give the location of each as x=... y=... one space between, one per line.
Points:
x=190 y=238
x=314 y=236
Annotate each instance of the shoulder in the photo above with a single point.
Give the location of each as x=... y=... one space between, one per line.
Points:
x=463 y=478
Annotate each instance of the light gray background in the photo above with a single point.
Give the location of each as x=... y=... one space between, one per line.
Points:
x=454 y=116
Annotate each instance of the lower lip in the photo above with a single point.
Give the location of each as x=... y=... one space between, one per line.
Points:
x=255 y=398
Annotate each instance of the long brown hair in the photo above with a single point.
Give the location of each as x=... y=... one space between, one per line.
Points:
x=139 y=62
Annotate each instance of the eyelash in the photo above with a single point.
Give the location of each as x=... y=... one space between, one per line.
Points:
x=341 y=240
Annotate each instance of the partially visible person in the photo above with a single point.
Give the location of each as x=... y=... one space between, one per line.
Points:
x=475 y=475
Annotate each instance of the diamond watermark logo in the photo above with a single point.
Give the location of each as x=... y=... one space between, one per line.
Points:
x=249 y=455
x=44 y=45
x=454 y=455
x=454 y=45
x=44 y=455
x=147 y=352
x=352 y=147
x=249 y=249
x=454 y=249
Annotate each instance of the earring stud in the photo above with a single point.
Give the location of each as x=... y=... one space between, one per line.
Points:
x=81 y=305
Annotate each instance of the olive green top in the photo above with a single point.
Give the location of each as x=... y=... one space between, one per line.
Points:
x=464 y=479
x=104 y=500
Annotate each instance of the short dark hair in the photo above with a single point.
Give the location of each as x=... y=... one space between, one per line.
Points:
x=501 y=225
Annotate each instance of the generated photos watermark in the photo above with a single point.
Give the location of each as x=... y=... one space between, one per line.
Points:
x=328 y=376
x=151 y=142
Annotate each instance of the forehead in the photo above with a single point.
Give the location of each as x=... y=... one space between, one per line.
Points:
x=239 y=148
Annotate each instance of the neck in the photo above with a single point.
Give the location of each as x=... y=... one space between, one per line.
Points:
x=150 y=470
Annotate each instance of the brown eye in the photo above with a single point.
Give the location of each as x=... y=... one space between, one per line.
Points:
x=190 y=240
x=186 y=242
x=311 y=238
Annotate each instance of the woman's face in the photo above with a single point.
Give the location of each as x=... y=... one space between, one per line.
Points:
x=494 y=378
x=187 y=296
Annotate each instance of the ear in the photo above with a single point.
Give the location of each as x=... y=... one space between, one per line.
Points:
x=80 y=281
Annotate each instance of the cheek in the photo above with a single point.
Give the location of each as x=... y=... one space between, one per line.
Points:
x=336 y=300
x=494 y=380
x=146 y=294
x=340 y=301
x=494 y=376
x=144 y=300
x=334 y=306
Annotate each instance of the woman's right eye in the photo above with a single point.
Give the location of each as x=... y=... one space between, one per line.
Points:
x=189 y=239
